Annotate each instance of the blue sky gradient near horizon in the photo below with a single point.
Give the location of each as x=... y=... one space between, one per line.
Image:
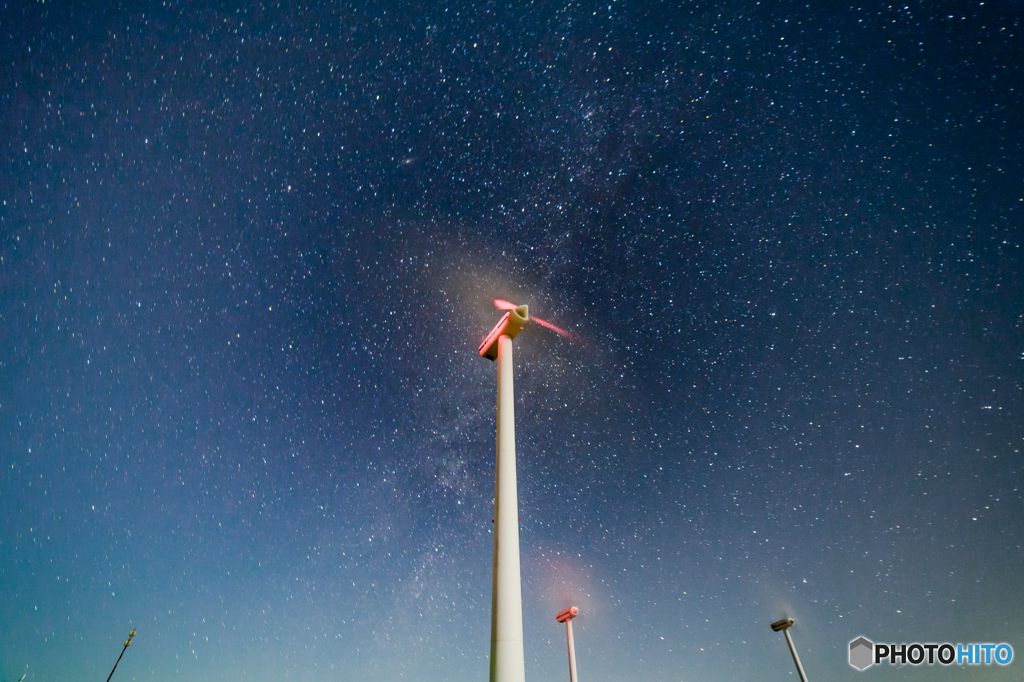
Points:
x=247 y=252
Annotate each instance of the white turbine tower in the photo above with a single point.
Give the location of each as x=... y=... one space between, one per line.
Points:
x=508 y=661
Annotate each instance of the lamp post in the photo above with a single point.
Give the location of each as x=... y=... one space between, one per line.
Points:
x=508 y=660
x=784 y=626
x=566 y=617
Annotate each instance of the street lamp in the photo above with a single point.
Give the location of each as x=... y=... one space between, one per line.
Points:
x=508 y=661
x=784 y=626
x=566 y=617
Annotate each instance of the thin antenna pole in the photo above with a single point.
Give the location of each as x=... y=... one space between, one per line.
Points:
x=126 y=645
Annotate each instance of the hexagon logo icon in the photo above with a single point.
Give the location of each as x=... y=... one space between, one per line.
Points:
x=862 y=651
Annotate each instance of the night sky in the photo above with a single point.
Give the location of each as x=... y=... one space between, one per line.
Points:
x=248 y=251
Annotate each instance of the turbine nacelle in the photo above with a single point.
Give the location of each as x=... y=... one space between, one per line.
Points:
x=567 y=614
x=782 y=624
x=509 y=325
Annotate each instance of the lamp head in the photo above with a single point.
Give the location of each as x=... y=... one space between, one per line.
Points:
x=509 y=325
x=567 y=614
x=782 y=624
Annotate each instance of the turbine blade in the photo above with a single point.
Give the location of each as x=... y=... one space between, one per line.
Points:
x=557 y=330
x=505 y=305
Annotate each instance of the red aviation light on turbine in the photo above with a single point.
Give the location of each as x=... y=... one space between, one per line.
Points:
x=509 y=325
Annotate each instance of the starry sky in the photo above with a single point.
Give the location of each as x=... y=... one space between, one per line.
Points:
x=248 y=251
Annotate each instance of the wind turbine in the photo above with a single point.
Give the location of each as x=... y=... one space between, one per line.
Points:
x=508 y=663
x=566 y=616
x=507 y=656
x=784 y=625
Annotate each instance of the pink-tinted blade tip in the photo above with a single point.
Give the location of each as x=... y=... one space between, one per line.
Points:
x=553 y=328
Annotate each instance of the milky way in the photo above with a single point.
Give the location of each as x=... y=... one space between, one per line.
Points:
x=248 y=252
